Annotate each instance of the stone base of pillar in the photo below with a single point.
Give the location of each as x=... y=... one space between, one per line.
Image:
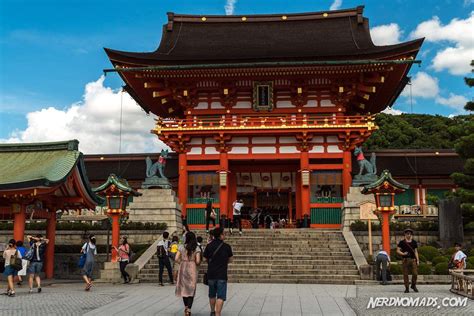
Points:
x=157 y=206
x=351 y=208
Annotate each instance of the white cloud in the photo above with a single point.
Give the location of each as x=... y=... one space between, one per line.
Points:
x=95 y=122
x=386 y=34
x=459 y=34
x=454 y=101
x=230 y=7
x=335 y=5
x=392 y=111
x=423 y=86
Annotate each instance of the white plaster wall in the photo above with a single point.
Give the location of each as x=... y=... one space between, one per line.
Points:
x=332 y=139
x=317 y=149
x=264 y=140
x=288 y=150
x=326 y=103
x=334 y=149
x=210 y=140
x=202 y=106
x=239 y=150
x=318 y=139
x=264 y=150
x=196 y=140
x=210 y=150
x=243 y=105
x=216 y=105
x=287 y=140
x=311 y=104
x=239 y=140
x=195 y=151
x=284 y=104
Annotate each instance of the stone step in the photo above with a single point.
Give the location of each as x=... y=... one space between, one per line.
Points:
x=278 y=281
x=154 y=267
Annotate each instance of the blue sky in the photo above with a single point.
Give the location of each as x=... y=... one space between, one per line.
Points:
x=50 y=50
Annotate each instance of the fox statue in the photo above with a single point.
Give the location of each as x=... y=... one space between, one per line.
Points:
x=369 y=166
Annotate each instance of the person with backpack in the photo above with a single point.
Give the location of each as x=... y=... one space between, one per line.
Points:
x=163 y=258
x=38 y=246
x=124 y=252
x=189 y=258
x=22 y=251
x=218 y=255
x=210 y=215
x=90 y=250
x=174 y=246
x=407 y=248
x=11 y=254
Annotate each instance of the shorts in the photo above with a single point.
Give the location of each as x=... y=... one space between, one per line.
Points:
x=218 y=288
x=35 y=268
x=10 y=271
x=88 y=269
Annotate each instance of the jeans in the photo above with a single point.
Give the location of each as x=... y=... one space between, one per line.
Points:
x=125 y=275
x=165 y=262
x=409 y=265
x=218 y=288
x=381 y=259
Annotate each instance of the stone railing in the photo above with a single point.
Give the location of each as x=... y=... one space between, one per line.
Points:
x=133 y=269
x=462 y=283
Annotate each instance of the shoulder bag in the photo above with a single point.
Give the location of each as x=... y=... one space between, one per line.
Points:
x=30 y=253
x=204 y=277
x=82 y=259
x=15 y=262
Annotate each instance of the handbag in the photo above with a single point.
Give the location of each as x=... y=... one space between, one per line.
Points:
x=82 y=259
x=16 y=262
x=205 y=281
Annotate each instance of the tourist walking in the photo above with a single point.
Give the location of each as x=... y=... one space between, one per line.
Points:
x=189 y=258
x=10 y=254
x=382 y=259
x=174 y=246
x=407 y=248
x=24 y=263
x=163 y=258
x=218 y=255
x=90 y=250
x=38 y=245
x=210 y=215
x=237 y=212
x=123 y=252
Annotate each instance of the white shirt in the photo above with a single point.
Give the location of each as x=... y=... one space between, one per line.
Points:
x=91 y=247
x=382 y=252
x=237 y=207
x=165 y=244
x=460 y=256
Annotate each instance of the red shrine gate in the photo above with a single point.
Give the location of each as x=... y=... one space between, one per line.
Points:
x=266 y=105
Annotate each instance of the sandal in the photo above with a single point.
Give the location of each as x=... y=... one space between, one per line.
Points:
x=187 y=312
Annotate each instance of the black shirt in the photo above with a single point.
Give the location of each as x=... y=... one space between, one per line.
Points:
x=405 y=247
x=217 y=267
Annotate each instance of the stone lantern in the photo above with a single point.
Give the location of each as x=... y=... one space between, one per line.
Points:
x=384 y=190
x=116 y=192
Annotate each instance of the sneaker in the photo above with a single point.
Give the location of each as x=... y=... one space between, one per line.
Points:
x=88 y=286
x=407 y=291
x=30 y=291
x=213 y=313
x=414 y=288
x=11 y=294
x=39 y=290
x=240 y=233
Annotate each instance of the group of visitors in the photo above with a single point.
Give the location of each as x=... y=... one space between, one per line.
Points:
x=407 y=248
x=236 y=212
x=20 y=262
x=182 y=262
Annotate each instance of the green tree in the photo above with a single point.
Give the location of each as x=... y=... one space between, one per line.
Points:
x=465 y=148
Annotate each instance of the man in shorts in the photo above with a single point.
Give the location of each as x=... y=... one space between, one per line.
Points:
x=38 y=244
x=218 y=255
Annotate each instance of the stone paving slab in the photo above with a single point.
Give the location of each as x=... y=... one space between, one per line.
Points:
x=242 y=299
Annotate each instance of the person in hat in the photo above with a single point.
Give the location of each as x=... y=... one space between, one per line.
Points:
x=407 y=248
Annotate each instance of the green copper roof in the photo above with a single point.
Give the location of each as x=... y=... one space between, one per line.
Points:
x=120 y=183
x=384 y=176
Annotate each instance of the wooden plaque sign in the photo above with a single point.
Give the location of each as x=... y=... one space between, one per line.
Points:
x=367 y=211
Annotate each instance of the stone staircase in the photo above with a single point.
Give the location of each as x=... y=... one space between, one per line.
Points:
x=282 y=256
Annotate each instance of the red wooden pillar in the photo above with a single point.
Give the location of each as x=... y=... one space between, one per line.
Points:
x=51 y=236
x=183 y=182
x=298 y=196
x=386 y=231
x=346 y=172
x=305 y=189
x=224 y=190
x=115 y=234
x=19 y=223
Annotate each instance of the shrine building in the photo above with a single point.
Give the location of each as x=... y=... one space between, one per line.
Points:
x=266 y=108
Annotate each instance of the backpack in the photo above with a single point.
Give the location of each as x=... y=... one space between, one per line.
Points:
x=161 y=251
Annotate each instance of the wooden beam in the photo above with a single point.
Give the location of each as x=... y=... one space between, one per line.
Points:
x=152 y=85
x=375 y=78
x=162 y=93
x=367 y=89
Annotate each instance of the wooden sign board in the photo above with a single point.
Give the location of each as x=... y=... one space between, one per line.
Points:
x=367 y=211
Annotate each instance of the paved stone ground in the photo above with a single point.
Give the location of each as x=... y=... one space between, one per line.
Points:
x=243 y=299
